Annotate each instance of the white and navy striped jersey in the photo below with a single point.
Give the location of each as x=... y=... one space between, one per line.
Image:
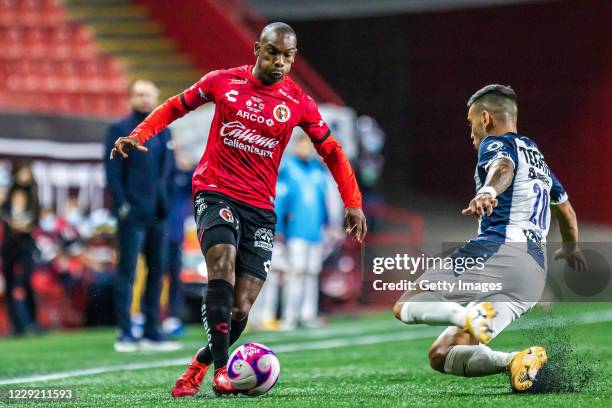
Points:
x=523 y=210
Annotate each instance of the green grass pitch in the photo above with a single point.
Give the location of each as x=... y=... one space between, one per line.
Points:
x=366 y=360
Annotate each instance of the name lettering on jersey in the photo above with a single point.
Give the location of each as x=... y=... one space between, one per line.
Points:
x=254 y=117
x=238 y=81
x=231 y=95
x=237 y=135
x=535 y=159
x=538 y=169
x=286 y=95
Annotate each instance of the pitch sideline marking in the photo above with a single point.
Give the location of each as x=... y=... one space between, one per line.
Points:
x=585 y=318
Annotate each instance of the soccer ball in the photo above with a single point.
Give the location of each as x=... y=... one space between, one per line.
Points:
x=253 y=369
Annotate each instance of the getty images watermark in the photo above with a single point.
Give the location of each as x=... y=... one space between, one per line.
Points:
x=523 y=271
x=404 y=263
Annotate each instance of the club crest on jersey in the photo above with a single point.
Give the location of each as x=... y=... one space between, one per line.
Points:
x=264 y=238
x=227 y=215
x=281 y=113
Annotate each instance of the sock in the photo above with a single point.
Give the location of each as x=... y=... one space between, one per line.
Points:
x=217 y=312
x=434 y=313
x=476 y=361
x=237 y=327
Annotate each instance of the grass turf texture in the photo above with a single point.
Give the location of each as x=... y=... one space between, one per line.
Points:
x=390 y=369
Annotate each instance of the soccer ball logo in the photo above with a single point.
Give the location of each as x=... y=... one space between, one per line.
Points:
x=253 y=369
x=281 y=113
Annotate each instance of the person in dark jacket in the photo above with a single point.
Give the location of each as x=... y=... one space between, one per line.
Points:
x=20 y=214
x=180 y=208
x=140 y=188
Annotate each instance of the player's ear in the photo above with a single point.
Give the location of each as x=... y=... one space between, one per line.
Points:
x=487 y=120
x=256 y=48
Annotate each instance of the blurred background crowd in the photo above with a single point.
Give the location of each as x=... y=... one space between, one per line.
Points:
x=391 y=79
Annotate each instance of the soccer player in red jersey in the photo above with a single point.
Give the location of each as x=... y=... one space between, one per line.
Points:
x=257 y=108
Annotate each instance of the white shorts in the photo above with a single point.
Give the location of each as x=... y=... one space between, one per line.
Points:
x=304 y=257
x=516 y=278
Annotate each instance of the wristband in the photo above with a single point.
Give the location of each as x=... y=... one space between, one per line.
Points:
x=487 y=190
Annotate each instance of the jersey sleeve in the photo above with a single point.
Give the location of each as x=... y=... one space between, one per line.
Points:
x=203 y=91
x=494 y=148
x=557 y=192
x=312 y=123
x=176 y=107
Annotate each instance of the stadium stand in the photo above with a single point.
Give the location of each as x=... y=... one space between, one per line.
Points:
x=50 y=64
x=76 y=57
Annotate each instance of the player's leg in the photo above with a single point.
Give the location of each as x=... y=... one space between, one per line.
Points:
x=216 y=314
x=446 y=307
x=429 y=308
x=217 y=310
x=246 y=290
x=458 y=352
x=252 y=266
x=218 y=230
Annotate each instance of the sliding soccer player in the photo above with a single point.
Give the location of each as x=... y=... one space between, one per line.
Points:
x=515 y=190
x=256 y=109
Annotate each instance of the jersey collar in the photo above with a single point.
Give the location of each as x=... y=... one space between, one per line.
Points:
x=258 y=83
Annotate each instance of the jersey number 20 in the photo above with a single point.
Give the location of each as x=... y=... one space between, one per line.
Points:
x=540 y=209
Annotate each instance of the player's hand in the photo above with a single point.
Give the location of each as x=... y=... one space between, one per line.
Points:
x=573 y=257
x=482 y=204
x=124 y=145
x=355 y=223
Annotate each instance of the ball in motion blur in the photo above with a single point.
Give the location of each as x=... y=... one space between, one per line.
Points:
x=253 y=369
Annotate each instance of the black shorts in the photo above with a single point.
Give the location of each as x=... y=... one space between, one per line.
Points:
x=223 y=220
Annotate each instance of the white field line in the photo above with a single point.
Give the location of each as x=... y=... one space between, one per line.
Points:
x=422 y=332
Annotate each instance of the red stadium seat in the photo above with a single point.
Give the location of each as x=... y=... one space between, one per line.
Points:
x=8 y=12
x=49 y=64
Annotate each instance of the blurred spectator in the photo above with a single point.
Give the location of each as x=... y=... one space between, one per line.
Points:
x=265 y=309
x=302 y=213
x=100 y=260
x=180 y=207
x=139 y=186
x=20 y=214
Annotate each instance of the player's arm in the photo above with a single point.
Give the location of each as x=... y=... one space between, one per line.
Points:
x=561 y=209
x=340 y=168
x=499 y=178
x=330 y=150
x=171 y=110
